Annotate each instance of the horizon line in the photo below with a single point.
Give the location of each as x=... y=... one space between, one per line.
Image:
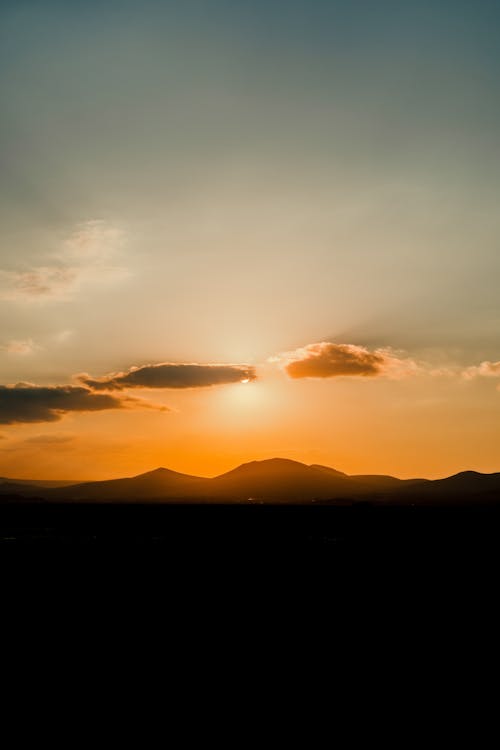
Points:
x=244 y=463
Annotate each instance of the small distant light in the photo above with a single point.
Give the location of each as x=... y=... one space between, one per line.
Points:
x=245 y=380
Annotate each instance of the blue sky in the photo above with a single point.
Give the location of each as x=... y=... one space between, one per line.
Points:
x=372 y=126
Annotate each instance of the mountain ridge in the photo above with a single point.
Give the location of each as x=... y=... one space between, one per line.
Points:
x=276 y=480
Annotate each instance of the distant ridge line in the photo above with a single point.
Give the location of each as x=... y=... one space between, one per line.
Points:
x=275 y=480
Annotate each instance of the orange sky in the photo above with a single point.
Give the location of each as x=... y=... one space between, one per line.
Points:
x=304 y=192
x=423 y=426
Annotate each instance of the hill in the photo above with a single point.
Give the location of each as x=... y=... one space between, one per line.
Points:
x=281 y=479
x=160 y=483
x=276 y=480
x=272 y=480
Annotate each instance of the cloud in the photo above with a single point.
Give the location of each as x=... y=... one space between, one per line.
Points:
x=83 y=258
x=25 y=346
x=329 y=360
x=49 y=439
x=483 y=370
x=63 y=336
x=94 y=241
x=38 y=283
x=25 y=402
x=170 y=375
x=61 y=441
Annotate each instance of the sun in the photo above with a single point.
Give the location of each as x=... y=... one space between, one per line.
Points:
x=245 y=380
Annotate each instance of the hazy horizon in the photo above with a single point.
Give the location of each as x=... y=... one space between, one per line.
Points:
x=229 y=469
x=232 y=231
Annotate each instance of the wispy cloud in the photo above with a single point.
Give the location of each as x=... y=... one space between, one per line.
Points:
x=95 y=241
x=42 y=282
x=170 y=375
x=61 y=337
x=329 y=360
x=485 y=369
x=85 y=257
x=57 y=441
x=20 y=346
x=44 y=440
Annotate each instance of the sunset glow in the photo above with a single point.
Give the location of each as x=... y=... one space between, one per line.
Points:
x=299 y=198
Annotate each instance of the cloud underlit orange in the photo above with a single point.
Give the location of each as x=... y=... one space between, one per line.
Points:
x=484 y=369
x=328 y=360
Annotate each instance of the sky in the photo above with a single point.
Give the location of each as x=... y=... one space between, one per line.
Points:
x=232 y=231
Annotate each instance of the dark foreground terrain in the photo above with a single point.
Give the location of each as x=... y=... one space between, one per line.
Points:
x=253 y=532
x=262 y=515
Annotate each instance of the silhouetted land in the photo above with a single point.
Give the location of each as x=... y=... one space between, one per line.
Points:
x=257 y=511
x=272 y=481
x=254 y=532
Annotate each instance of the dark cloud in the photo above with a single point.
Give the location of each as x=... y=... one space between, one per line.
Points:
x=25 y=402
x=328 y=360
x=170 y=375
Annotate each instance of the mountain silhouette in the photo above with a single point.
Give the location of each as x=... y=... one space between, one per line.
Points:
x=280 y=478
x=160 y=483
x=466 y=486
x=39 y=482
x=328 y=470
x=276 y=480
